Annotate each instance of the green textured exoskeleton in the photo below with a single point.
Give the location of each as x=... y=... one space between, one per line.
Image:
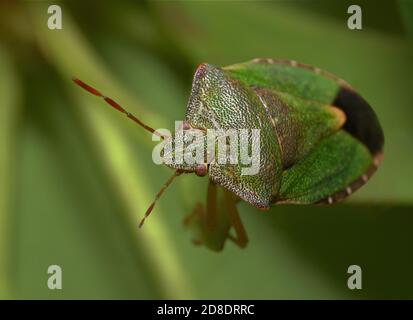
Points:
x=319 y=140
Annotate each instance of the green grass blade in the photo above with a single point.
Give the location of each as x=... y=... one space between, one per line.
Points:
x=9 y=111
x=128 y=180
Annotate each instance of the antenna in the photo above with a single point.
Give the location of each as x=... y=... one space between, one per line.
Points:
x=116 y=105
x=158 y=195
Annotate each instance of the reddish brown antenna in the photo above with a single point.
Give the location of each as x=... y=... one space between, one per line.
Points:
x=158 y=195
x=116 y=105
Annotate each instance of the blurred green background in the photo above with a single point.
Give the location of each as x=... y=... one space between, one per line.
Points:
x=76 y=177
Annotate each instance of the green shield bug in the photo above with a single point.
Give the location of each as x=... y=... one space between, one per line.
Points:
x=319 y=140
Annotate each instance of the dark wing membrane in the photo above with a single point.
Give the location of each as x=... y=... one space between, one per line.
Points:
x=361 y=122
x=311 y=83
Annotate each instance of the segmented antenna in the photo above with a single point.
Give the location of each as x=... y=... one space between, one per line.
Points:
x=158 y=195
x=116 y=105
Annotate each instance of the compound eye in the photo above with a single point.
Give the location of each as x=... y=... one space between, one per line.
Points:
x=185 y=126
x=201 y=170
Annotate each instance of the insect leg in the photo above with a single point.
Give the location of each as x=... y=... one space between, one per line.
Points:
x=210 y=223
x=208 y=219
x=197 y=213
x=211 y=206
x=241 y=238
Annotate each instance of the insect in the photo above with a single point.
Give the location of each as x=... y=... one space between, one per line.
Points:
x=320 y=140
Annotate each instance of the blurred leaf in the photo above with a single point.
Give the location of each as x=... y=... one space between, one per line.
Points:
x=406 y=10
x=119 y=164
x=332 y=238
x=303 y=252
x=373 y=12
x=9 y=112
